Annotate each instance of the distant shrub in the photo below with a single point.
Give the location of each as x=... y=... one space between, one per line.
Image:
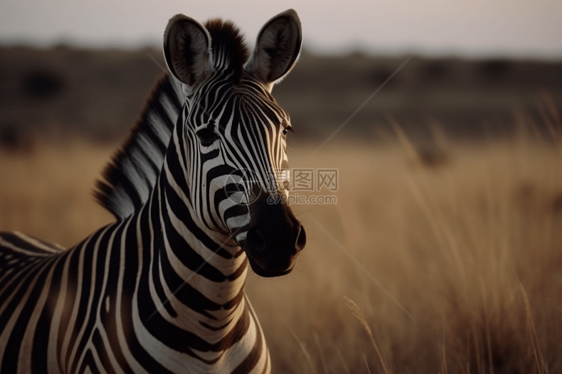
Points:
x=13 y=138
x=494 y=70
x=432 y=157
x=42 y=84
x=380 y=75
x=434 y=71
x=556 y=203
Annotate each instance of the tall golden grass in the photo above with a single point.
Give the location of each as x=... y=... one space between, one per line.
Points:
x=46 y=189
x=467 y=240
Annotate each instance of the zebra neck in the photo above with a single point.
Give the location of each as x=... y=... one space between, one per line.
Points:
x=186 y=313
x=201 y=272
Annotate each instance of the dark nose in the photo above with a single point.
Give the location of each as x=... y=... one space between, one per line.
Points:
x=258 y=243
x=274 y=238
x=256 y=240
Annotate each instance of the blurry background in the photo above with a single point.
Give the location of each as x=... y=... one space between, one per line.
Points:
x=86 y=67
x=450 y=176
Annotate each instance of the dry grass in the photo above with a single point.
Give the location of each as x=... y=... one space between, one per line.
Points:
x=46 y=190
x=470 y=246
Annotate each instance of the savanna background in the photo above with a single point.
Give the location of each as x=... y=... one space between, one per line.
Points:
x=443 y=253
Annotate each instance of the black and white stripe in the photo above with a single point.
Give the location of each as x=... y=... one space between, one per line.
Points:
x=161 y=290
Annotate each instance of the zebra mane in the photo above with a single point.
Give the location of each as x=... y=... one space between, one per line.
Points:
x=227 y=45
x=130 y=176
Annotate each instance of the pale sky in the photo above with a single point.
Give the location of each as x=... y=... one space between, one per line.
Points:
x=435 y=27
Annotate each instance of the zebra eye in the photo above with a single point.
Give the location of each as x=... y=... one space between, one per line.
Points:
x=207 y=137
x=285 y=131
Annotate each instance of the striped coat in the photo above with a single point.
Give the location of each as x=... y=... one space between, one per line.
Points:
x=161 y=290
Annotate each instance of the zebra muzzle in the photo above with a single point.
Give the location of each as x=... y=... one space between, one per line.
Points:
x=274 y=239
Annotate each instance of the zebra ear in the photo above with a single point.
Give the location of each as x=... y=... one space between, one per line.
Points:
x=187 y=50
x=277 y=47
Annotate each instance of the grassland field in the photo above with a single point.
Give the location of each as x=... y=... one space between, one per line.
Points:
x=444 y=249
x=434 y=260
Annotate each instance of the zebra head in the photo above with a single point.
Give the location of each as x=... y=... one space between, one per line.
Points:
x=233 y=133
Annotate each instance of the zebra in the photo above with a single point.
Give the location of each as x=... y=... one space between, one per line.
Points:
x=161 y=289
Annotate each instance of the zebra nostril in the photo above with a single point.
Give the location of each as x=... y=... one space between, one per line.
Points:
x=301 y=239
x=256 y=241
